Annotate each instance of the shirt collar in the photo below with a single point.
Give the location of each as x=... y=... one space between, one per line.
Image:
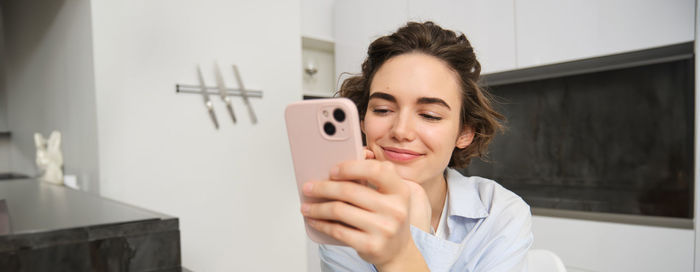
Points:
x=464 y=199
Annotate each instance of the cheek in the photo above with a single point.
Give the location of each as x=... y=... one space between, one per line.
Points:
x=375 y=128
x=439 y=138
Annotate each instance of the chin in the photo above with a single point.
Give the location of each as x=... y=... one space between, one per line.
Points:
x=409 y=173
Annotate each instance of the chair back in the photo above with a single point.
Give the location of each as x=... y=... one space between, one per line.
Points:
x=542 y=260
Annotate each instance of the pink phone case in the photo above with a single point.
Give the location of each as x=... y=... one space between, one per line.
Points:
x=314 y=151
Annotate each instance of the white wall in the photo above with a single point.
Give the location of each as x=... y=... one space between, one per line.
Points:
x=49 y=83
x=599 y=246
x=233 y=189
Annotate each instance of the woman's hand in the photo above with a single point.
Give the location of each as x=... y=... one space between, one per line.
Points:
x=420 y=211
x=419 y=208
x=376 y=223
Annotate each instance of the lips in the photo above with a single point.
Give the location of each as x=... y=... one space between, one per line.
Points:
x=401 y=155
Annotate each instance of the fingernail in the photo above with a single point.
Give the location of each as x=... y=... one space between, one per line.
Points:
x=334 y=171
x=305 y=208
x=307 y=187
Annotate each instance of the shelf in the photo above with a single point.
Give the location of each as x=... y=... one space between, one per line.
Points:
x=317 y=44
x=317 y=54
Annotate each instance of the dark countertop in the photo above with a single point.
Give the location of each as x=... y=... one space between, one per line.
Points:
x=6 y=176
x=36 y=206
x=55 y=228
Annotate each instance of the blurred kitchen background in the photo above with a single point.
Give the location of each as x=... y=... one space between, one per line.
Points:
x=600 y=96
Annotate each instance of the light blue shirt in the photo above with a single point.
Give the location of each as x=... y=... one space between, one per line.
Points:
x=488 y=229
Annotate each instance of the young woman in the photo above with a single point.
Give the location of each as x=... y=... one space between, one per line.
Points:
x=422 y=113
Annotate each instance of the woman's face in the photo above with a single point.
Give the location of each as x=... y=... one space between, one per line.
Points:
x=412 y=118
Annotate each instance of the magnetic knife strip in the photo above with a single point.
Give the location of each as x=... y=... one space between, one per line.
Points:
x=223 y=92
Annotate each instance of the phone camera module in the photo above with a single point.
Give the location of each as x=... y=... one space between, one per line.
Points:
x=329 y=128
x=339 y=115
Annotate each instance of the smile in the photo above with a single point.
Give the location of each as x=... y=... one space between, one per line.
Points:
x=401 y=155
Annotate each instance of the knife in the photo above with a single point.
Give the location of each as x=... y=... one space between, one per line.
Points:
x=222 y=92
x=244 y=94
x=205 y=96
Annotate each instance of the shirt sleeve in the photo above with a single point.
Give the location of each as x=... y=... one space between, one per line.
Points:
x=342 y=259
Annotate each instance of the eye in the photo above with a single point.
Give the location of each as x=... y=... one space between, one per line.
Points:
x=380 y=111
x=431 y=117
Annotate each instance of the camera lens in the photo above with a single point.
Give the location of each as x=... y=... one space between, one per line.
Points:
x=329 y=128
x=339 y=115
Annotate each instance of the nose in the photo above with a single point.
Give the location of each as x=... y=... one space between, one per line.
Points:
x=403 y=128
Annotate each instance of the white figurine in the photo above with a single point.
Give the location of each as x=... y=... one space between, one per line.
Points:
x=49 y=158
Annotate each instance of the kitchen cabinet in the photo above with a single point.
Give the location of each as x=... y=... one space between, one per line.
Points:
x=357 y=24
x=489 y=26
x=553 y=31
x=509 y=35
x=316 y=19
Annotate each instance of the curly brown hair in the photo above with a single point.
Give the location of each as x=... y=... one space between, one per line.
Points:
x=428 y=38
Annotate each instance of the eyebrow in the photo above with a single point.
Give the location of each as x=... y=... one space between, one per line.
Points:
x=384 y=96
x=422 y=100
x=433 y=100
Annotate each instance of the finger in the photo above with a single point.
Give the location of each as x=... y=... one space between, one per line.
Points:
x=369 y=155
x=380 y=174
x=344 y=213
x=420 y=207
x=351 y=237
x=346 y=191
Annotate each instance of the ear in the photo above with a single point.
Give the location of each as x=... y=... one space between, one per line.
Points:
x=39 y=141
x=465 y=138
x=54 y=140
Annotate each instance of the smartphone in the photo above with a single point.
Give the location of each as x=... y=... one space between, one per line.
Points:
x=322 y=133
